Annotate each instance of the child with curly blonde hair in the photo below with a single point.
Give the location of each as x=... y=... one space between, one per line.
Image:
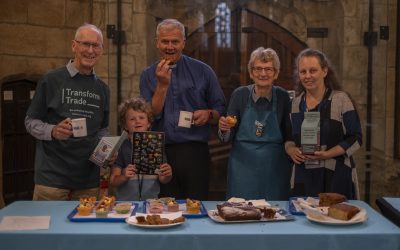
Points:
x=135 y=115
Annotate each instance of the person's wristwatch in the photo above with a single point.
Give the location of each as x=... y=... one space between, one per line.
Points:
x=210 y=115
x=52 y=136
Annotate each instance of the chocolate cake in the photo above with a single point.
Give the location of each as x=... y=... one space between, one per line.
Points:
x=231 y=212
x=269 y=213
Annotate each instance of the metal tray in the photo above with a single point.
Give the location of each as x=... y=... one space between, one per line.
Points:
x=182 y=207
x=112 y=216
x=292 y=209
x=281 y=215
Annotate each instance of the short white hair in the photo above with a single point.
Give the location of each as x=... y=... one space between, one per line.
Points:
x=264 y=55
x=88 y=26
x=170 y=24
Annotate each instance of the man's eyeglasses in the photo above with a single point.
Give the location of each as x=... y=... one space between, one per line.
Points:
x=268 y=70
x=86 y=45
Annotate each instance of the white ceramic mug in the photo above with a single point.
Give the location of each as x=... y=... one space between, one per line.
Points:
x=185 y=119
x=79 y=127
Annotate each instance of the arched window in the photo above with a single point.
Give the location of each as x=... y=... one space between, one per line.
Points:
x=223 y=25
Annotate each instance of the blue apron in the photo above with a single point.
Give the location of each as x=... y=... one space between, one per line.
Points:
x=258 y=167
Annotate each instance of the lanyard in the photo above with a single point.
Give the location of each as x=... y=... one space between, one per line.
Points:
x=140 y=176
x=140 y=184
x=320 y=104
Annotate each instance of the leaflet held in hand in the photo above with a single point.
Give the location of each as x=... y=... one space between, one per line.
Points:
x=310 y=133
x=106 y=149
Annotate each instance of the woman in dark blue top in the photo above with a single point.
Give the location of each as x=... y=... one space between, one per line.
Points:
x=330 y=169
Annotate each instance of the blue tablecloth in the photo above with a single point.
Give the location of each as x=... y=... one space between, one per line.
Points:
x=376 y=233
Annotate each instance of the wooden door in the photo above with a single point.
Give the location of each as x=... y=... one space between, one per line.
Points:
x=259 y=31
x=18 y=145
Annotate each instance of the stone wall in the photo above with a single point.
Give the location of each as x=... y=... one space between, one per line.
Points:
x=35 y=36
x=386 y=170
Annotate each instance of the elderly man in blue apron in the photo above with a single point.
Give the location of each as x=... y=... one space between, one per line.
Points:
x=258 y=124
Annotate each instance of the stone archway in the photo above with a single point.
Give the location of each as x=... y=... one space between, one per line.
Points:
x=248 y=30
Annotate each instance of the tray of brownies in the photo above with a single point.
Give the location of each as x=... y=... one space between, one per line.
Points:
x=238 y=210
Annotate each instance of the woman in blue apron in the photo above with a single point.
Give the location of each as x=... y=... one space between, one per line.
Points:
x=258 y=166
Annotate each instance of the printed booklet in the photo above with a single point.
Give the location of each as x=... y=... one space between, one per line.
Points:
x=106 y=148
x=148 y=151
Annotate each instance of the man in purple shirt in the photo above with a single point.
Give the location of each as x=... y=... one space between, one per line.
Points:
x=179 y=83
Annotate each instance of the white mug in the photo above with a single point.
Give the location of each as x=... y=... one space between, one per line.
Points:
x=185 y=119
x=79 y=127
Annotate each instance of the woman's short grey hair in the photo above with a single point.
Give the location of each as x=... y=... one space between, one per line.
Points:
x=264 y=55
x=170 y=24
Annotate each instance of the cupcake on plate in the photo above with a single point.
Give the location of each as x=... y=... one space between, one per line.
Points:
x=192 y=206
x=123 y=208
x=101 y=212
x=173 y=206
x=84 y=210
x=156 y=207
x=86 y=206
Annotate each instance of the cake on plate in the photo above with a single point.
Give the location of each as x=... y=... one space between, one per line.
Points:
x=235 y=212
x=328 y=199
x=269 y=213
x=342 y=211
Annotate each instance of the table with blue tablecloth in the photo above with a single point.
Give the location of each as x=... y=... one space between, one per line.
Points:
x=390 y=207
x=197 y=233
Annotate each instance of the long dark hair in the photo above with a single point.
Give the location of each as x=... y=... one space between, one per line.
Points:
x=330 y=80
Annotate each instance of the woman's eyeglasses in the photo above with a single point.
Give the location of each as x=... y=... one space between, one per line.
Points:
x=268 y=70
x=87 y=45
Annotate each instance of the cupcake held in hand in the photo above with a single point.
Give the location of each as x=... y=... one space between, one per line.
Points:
x=231 y=120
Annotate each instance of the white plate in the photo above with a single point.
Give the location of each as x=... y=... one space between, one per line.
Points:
x=324 y=219
x=154 y=226
x=132 y=220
